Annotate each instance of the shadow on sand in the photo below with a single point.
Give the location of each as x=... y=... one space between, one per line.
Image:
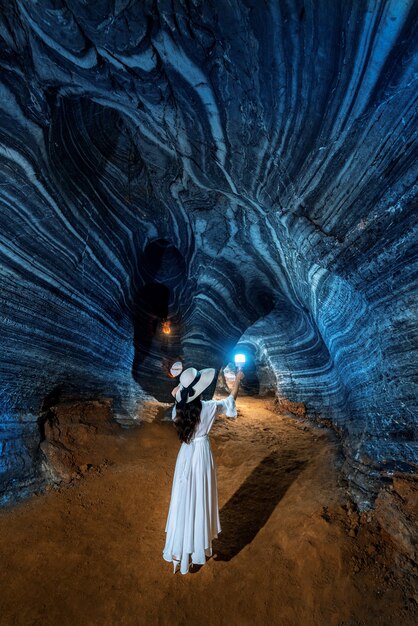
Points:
x=250 y=507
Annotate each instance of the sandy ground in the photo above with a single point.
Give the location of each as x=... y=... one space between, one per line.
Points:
x=291 y=551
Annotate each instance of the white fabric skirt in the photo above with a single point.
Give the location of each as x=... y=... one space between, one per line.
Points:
x=193 y=516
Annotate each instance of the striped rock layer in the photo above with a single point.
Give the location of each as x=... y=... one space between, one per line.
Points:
x=244 y=169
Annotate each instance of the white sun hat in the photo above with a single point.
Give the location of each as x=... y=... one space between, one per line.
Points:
x=193 y=382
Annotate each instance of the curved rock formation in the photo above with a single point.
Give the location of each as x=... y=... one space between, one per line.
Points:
x=270 y=148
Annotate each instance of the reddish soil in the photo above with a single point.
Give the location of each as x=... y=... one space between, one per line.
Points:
x=293 y=551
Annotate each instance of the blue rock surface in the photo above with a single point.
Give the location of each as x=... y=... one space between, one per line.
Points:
x=245 y=169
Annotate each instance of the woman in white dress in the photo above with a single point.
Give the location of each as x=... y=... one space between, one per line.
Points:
x=193 y=516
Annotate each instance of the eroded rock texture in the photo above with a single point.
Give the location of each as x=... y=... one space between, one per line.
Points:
x=246 y=169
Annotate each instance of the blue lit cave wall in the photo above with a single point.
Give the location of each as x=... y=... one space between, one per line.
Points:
x=246 y=169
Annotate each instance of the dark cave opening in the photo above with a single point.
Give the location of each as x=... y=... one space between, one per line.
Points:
x=251 y=384
x=157 y=320
x=151 y=311
x=162 y=261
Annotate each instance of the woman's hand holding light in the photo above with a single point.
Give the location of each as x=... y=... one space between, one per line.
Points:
x=238 y=378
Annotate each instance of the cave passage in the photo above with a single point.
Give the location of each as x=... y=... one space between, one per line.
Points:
x=245 y=174
x=157 y=303
x=151 y=311
x=178 y=180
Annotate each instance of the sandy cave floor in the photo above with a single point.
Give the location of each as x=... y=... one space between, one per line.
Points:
x=291 y=551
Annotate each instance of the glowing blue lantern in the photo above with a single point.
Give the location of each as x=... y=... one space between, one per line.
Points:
x=239 y=360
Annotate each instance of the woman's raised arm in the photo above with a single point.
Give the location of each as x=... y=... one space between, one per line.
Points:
x=238 y=378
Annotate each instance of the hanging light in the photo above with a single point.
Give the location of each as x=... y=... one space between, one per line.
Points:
x=176 y=369
x=166 y=327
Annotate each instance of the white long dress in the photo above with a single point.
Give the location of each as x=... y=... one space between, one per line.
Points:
x=193 y=516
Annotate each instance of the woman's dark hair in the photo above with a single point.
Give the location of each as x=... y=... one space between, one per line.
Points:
x=187 y=419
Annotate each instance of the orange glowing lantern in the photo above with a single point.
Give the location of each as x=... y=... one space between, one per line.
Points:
x=166 y=328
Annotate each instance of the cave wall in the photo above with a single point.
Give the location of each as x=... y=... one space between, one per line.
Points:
x=273 y=144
